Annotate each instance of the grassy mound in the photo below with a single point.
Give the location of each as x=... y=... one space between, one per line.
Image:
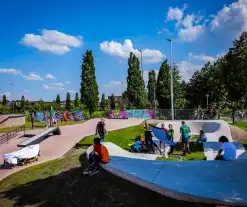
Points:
x=123 y=137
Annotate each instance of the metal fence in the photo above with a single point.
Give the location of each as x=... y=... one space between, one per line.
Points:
x=183 y=114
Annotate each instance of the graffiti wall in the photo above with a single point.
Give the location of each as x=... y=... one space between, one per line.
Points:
x=125 y=114
x=75 y=115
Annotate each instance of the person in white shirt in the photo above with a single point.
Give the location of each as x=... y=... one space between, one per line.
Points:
x=228 y=148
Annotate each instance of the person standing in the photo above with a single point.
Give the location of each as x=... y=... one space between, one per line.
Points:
x=52 y=115
x=185 y=133
x=32 y=118
x=101 y=130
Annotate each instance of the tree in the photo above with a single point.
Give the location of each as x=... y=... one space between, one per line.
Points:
x=112 y=102
x=163 y=86
x=89 y=87
x=135 y=83
x=42 y=105
x=22 y=104
x=4 y=100
x=58 y=101
x=68 y=104
x=151 y=86
x=103 y=103
x=77 y=101
x=234 y=72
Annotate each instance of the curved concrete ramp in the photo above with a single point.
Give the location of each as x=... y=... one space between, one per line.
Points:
x=115 y=150
x=216 y=182
x=213 y=128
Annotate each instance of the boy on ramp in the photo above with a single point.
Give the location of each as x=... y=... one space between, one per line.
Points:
x=99 y=155
x=101 y=130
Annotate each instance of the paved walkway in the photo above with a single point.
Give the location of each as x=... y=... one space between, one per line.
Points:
x=56 y=146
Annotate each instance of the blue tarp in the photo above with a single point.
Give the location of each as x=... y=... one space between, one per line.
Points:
x=161 y=135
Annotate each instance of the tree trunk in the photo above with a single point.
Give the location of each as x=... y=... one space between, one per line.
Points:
x=233 y=116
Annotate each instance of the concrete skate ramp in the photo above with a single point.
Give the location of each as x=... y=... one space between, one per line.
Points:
x=212 y=128
x=217 y=182
x=115 y=150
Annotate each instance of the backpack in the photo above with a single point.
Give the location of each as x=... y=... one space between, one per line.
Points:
x=100 y=127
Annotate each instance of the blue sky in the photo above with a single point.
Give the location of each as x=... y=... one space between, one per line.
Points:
x=42 y=42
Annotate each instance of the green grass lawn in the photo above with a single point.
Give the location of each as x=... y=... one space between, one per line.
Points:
x=28 y=125
x=60 y=183
x=123 y=137
x=242 y=125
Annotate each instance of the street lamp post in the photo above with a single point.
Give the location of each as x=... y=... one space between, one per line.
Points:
x=141 y=63
x=172 y=107
x=12 y=84
x=207 y=99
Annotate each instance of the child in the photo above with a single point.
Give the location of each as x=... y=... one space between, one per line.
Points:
x=163 y=126
x=185 y=133
x=228 y=148
x=101 y=130
x=202 y=137
x=137 y=145
x=170 y=137
x=99 y=154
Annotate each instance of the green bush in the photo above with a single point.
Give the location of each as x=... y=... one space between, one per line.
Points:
x=5 y=110
x=99 y=114
x=28 y=117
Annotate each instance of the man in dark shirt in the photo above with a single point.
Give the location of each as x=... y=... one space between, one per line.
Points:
x=101 y=130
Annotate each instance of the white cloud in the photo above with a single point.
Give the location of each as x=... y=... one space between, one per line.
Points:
x=188 y=20
x=201 y=57
x=57 y=84
x=191 y=33
x=187 y=69
x=68 y=82
x=52 y=41
x=50 y=87
x=165 y=30
x=231 y=20
x=123 y=51
x=26 y=91
x=175 y=14
x=7 y=94
x=50 y=76
x=113 y=84
x=10 y=71
x=72 y=91
x=33 y=76
x=145 y=75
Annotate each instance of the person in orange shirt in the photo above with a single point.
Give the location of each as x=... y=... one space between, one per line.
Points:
x=99 y=154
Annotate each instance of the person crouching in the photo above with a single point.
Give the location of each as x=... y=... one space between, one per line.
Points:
x=99 y=155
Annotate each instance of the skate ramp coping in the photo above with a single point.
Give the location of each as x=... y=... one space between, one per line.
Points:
x=211 y=149
x=115 y=150
x=40 y=136
x=215 y=182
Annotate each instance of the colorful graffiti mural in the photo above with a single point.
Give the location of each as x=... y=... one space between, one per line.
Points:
x=125 y=114
x=75 y=115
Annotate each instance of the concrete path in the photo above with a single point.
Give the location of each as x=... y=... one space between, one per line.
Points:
x=56 y=146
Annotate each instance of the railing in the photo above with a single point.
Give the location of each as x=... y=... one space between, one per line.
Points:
x=6 y=137
x=183 y=114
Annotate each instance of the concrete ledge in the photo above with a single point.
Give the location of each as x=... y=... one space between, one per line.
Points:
x=168 y=192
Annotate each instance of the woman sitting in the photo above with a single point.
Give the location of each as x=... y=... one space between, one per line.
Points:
x=202 y=137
